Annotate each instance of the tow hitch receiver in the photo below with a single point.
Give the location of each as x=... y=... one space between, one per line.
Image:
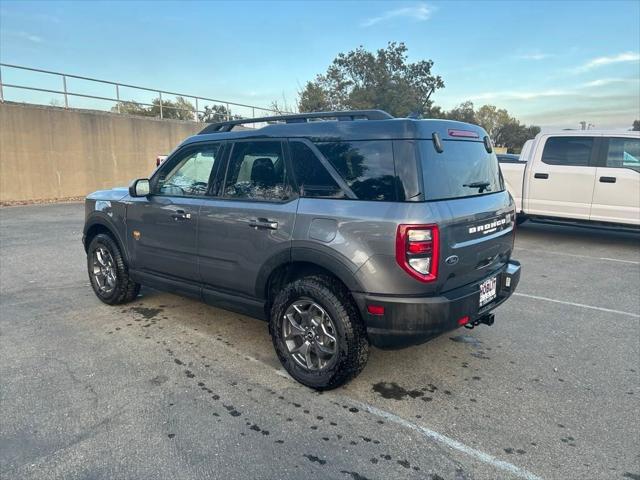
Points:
x=486 y=319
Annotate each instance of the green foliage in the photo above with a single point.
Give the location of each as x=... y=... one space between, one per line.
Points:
x=503 y=129
x=636 y=125
x=132 y=108
x=363 y=80
x=180 y=109
x=215 y=113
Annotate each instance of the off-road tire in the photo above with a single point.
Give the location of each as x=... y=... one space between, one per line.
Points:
x=125 y=289
x=352 y=342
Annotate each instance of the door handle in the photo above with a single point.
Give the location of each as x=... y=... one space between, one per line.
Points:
x=263 y=223
x=541 y=175
x=607 y=179
x=181 y=215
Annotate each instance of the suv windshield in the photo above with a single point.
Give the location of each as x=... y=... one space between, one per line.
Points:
x=463 y=169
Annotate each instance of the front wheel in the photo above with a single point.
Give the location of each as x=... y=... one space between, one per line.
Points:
x=108 y=272
x=317 y=333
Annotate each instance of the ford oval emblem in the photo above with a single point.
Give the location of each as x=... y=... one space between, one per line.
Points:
x=452 y=260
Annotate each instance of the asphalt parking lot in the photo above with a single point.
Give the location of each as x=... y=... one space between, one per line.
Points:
x=167 y=387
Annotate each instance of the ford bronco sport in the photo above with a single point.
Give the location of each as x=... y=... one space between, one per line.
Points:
x=342 y=229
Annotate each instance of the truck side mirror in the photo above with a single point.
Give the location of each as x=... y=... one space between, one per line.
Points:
x=139 y=187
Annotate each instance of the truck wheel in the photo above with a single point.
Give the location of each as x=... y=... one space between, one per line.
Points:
x=108 y=272
x=520 y=219
x=317 y=333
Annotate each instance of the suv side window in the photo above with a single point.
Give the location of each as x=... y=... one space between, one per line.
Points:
x=366 y=166
x=257 y=171
x=189 y=173
x=624 y=153
x=568 y=151
x=313 y=179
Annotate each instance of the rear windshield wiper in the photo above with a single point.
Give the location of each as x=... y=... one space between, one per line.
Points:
x=479 y=185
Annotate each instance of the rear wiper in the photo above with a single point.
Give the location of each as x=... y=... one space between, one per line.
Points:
x=479 y=185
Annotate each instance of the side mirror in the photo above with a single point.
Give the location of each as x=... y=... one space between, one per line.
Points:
x=139 y=187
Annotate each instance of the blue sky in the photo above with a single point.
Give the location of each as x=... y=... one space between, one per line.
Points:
x=549 y=63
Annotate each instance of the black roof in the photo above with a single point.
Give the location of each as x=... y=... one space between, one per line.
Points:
x=338 y=126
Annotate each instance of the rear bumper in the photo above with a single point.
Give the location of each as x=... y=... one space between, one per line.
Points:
x=413 y=320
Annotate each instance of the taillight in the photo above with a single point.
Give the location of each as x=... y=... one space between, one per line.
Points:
x=417 y=249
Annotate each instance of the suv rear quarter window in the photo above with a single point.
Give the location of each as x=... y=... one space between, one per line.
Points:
x=366 y=166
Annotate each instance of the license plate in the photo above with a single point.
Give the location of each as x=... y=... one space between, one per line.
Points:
x=488 y=290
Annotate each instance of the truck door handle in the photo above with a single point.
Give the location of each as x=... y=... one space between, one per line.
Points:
x=607 y=179
x=263 y=223
x=181 y=215
x=541 y=175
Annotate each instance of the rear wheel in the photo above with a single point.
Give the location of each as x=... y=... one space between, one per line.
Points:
x=108 y=272
x=317 y=333
x=520 y=219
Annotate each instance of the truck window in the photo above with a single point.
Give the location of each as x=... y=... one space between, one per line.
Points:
x=463 y=169
x=624 y=153
x=569 y=151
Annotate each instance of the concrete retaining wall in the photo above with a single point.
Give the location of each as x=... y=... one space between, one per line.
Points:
x=51 y=153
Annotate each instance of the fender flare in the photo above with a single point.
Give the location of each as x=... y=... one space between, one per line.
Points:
x=322 y=257
x=100 y=218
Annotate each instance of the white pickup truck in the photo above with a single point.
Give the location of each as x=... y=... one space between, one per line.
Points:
x=577 y=176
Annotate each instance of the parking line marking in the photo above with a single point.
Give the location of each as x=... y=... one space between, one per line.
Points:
x=576 y=255
x=449 y=442
x=591 y=307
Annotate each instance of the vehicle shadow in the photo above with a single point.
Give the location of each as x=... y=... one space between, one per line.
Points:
x=548 y=234
x=251 y=336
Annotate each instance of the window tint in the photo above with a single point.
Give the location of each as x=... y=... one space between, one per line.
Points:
x=463 y=169
x=407 y=179
x=188 y=174
x=366 y=166
x=256 y=171
x=572 y=151
x=313 y=179
x=624 y=152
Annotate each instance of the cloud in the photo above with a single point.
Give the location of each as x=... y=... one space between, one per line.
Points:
x=534 y=56
x=601 y=82
x=608 y=60
x=419 y=12
x=24 y=36
x=519 y=95
x=31 y=37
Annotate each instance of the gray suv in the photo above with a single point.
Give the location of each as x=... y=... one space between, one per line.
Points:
x=341 y=229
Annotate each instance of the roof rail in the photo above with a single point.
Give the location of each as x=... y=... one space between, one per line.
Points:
x=299 y=118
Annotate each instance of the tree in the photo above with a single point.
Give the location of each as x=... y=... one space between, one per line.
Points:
x=132 y=108
x=493 y=120
x=385 y=79
x=215 y=113
x=180 y=109
x=636 y=125
x=462 y=113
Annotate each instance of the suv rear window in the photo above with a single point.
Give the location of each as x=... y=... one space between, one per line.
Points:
x=463 y=169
